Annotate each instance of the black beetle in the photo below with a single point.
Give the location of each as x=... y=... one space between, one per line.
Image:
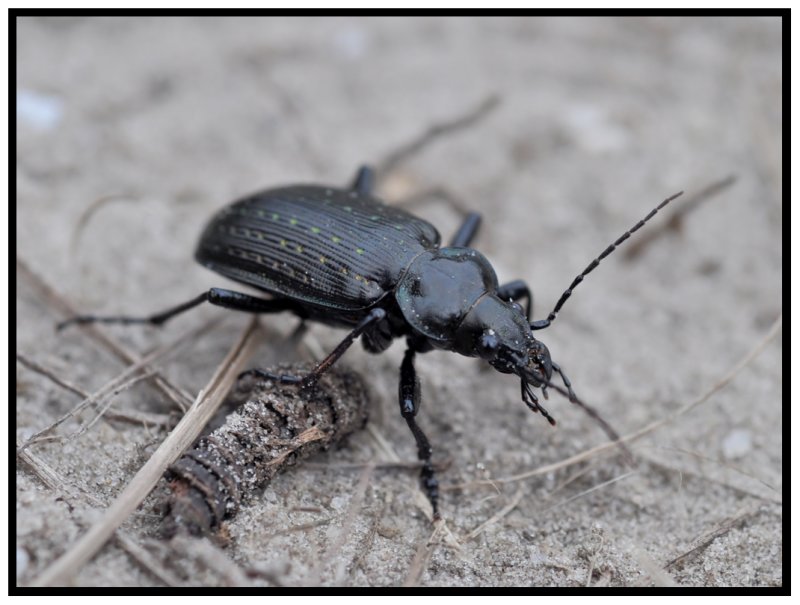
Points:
x=346 y=259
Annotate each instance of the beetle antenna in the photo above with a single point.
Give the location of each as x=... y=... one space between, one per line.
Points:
x=612 y=434
x=543 y=323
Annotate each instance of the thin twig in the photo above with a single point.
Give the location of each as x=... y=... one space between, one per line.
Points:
x=383 y=443
x=440 y=466
x=434 y=132
x=365 y=545
x=589 y=491
x=592 y=560
x=723 y=464
x=498 y=515
x=119 y=379
x=63 y=489
x=57 y=301
x=674 y=221
x=203 y=551
x=345 y=531
x=40 y=369
x=104 y=408
x=427 y=195
x=423 y=555
x=203 y=408
x=132 y=416
x=89 y=211
x=582 y=471
x=704 y=541
x=139 y=418
x=145 y=559
x=655 y=574
x=592 y=452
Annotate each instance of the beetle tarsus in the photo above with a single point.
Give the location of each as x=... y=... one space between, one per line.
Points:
x=220 y=297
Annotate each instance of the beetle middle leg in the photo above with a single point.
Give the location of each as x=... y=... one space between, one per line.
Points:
x=219 y=297
x=409 y=406
x=467 y=231
x=514 y=291
x=364 y=182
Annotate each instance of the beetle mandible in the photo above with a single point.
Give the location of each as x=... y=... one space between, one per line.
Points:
x=344 y=258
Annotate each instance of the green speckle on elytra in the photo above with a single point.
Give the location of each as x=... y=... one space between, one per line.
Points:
x=374 y=217
x=292 y=221
x=283 y=243
x=275 y=216
x=299 y=248
x=336 y=239
x=347 y=208
x=399 y=227
x=322 y=259
x=315 y=230
x=360 y=250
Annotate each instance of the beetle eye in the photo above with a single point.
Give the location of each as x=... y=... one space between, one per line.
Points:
x=488 y=344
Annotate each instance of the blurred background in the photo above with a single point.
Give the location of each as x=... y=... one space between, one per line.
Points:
x=563 y=132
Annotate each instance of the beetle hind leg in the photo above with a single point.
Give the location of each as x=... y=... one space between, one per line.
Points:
x=409 y=406
x=219 y=297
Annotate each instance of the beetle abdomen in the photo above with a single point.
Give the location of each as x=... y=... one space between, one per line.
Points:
x=326 y=247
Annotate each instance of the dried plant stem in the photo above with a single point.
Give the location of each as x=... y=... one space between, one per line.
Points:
x=115 y=385
x=704 y=541
x=204 y=406
x=433 y=132
x=63 y=489
x=515 y=500
x=675 y=219
x=57 y=301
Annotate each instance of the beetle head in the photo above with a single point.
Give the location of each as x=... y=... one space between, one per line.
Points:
x=537 y=368
x=499 y=332
x=503 y=337
x=531 y=362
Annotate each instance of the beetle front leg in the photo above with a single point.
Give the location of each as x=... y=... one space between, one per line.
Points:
x=219 y=297
x=374 y=316
x=514 y=291
x=409 y=406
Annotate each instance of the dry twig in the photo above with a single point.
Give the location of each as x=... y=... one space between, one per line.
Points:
x=704 y=541
x=433 y=132
x=57 y=301
x=592 y=452
x=206 y=403
x=674 y=221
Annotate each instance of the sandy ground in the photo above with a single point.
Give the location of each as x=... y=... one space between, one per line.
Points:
x=132 y=132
